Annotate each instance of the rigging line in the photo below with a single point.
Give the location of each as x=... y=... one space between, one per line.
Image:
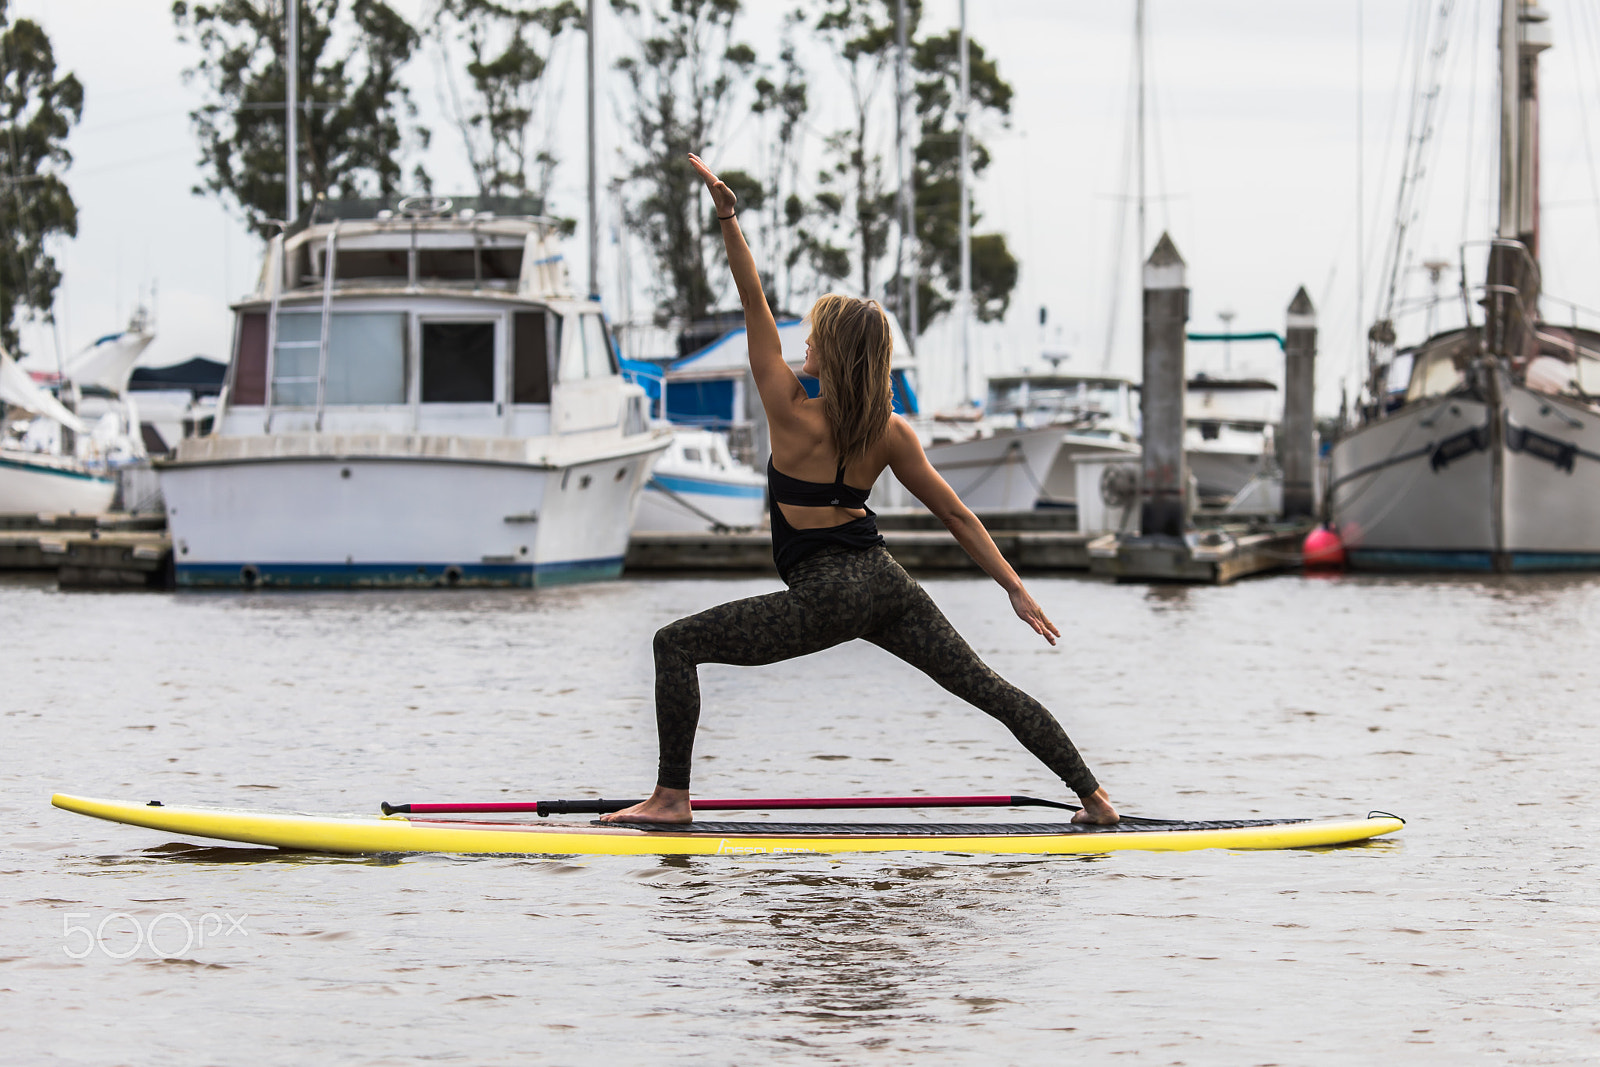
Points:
x=1416 y=23
x=1583 y=111
x=1119 y=243
x=1435 y=117
x=1419 y=133
x=1361 y=141
x=1474 y=40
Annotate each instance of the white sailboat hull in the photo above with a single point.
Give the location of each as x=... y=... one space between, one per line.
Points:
x=32 y=482
x=402 y=519
x=1004 y=471
x=1418 y=489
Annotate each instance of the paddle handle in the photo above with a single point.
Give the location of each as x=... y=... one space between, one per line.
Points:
x=603 y=807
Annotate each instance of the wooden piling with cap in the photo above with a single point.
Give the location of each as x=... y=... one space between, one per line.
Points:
x=1298 y=441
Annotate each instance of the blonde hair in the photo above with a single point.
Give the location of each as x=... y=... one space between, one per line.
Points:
x=854 y=345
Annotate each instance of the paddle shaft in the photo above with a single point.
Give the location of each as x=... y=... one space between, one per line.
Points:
x=604 y=807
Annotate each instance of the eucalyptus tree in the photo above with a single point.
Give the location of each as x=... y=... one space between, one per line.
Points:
x=686 y=74
x=38 y=108
x=861 y=34
x=936 y=180
x=508 y=48
x=358 y=120
x=784 y=104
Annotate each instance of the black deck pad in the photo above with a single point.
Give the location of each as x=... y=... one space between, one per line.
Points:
x=940 y=829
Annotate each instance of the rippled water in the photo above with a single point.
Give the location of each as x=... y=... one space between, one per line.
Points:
x=1467 y=706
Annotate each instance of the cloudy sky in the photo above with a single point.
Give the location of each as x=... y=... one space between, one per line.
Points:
x=1253 y=168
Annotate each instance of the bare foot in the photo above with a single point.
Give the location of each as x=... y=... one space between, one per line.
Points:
x=669 y=807
x=1097 y=810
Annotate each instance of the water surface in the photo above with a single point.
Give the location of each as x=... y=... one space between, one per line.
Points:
x=1467 y=706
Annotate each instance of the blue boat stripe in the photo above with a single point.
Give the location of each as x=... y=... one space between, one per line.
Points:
x=704 y=487
x=37 y=469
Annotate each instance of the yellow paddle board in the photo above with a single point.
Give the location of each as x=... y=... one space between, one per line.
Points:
x=369 y=834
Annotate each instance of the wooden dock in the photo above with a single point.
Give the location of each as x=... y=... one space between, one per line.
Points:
x=1029 y=551
x=89 y=551
x=1212 y=555
x=134 y=552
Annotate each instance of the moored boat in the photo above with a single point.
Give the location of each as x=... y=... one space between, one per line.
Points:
x=1020 y=455
x=414 y=397
x=697 y=486
x=1479 y=448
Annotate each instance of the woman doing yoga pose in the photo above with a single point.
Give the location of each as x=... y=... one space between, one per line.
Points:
x=842 y=583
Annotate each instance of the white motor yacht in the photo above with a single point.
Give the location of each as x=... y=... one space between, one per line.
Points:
x=1229 y=433
x=1020 y=455
x=415 y=397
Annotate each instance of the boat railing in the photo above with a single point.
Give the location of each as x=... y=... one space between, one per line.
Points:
x=329 y=269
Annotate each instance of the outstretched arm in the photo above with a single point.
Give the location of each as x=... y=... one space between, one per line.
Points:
x=910 y=464
x=781 y=392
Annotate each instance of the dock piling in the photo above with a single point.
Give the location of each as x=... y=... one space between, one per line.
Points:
x=1166 y=312
x=1299 y=389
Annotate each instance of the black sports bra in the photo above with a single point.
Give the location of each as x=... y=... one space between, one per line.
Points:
x=789 y=545
x=803 y=494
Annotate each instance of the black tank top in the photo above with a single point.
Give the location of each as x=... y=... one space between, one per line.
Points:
x=789 y=545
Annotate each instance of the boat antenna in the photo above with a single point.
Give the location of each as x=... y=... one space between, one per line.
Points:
x=1135 y=142
x=291 y=102
x=1139 y=51
x=904 y=257
x=594 y=166
x=964 y=298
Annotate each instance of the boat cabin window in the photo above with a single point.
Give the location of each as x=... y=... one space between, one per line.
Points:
x=530 y=358
x=502 y=264
x=449 y=263
x=250 y=361
x=366 y=359
x=1588 y=375
x=470 y=264
x=1434 y=374
x=352 y=263
x=458 y=362
x=587 y=354
x=1399 y=375
x=294 y=360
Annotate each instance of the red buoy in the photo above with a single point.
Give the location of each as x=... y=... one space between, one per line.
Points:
x=1323 y=549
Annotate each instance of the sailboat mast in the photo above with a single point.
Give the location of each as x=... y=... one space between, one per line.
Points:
x=594 y=168
x=964 y=299
x=1509 y=114
x=1138 y=47
x=1534 y=37
x=905 y=257
x=291 y=108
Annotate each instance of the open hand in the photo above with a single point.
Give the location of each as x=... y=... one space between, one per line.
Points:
x=1029 y=611
x=721 y=195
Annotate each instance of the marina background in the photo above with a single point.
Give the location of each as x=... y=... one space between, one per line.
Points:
x=1261 y=185
x=1463 y=704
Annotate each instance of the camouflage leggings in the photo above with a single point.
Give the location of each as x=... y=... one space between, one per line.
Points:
x=833 y=598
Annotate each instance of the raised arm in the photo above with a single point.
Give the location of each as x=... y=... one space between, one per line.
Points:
x=781 y=392
x=910 y=464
